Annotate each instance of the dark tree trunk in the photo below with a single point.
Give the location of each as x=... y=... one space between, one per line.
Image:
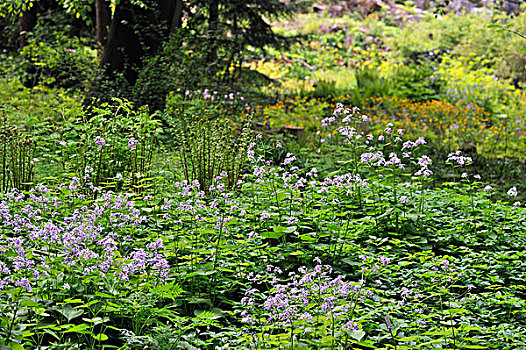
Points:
x=213 y=25
x=123 y=50
x=102 y=21
x=26 y=23
x=135 y=33
x=177 y=19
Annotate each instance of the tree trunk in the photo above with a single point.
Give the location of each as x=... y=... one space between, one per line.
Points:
x=26 y=23
x=102 y=21
x=134 y=33
x=213 y=24
x=177 y=19
x=123 y=50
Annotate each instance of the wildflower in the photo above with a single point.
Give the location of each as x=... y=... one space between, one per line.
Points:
x=24 y=282
x=132 y=143
x=369 y=158
x=404 y=200
x=74 y=184
x=458 y=158
x=424 y=161
x=488 y=188
x=384 y=260
x=289 y=158
x=265 y=215
x=63 y=143
x=420 y=141
x=313 y=173
x=512 y=192
x=100 y=142
x=408 y=144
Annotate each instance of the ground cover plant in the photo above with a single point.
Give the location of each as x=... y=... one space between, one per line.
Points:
x=294 y=258
x=362 y=188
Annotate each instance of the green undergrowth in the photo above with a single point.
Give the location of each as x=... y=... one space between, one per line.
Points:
x=368 y=253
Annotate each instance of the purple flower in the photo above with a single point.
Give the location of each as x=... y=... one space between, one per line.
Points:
x=458 y=158
x=384 y=260
x=132 y=143
x=100 y=142
x=420 y=141
x=424 y=161
x=289 y=158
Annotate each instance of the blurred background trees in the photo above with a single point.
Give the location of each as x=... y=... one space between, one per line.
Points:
x=108 y=47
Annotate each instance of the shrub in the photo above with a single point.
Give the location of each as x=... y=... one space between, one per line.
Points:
x=55 y=58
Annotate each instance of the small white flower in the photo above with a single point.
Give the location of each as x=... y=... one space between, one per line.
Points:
x=512 y=192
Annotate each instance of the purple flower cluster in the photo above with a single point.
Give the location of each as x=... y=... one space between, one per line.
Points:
x=100 y=142
x=308 y=300
x=433 y=274
x=43 y=234
x=347 y=128
x=132 y=143
x=458 y=158
x=424 y=163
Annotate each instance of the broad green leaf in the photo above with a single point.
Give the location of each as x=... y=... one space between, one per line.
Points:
x=70 y=313
x=80 y=328
x=15 y=346
x=100 y=337
x=358 y=335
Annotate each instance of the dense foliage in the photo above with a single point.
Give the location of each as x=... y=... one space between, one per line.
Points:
x=360 y=189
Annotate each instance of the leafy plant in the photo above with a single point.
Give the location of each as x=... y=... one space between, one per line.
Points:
x=211 y=147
